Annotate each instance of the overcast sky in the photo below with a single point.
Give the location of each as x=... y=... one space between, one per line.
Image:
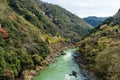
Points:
x=84 y=8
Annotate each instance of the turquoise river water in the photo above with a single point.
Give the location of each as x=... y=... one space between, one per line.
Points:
x=62 y=68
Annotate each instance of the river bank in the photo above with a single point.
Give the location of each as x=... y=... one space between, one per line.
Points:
x=64 y=68
x=56 y=51
x=88 y=74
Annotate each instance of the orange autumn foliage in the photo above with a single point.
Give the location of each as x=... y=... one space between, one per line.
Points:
x=4 y=32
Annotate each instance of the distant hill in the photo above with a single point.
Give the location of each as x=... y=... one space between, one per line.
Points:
x=68 y=24
x=101 y=50
x=94 y=21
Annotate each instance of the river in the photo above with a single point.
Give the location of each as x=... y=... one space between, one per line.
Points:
x=62 y=68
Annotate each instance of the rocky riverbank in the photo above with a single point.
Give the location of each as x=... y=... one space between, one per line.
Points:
x=88 y=74
x=56 y=51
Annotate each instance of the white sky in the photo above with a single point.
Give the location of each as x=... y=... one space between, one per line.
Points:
x=84 y=8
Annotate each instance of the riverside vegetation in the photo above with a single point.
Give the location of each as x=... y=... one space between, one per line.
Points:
x=28 y=29
x=100 y=51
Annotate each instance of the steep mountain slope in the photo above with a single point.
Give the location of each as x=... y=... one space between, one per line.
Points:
x=68 y=24
x=101 y=50
x=31 y=12
x=26 y=35
x=94 y=21
x=116 y=17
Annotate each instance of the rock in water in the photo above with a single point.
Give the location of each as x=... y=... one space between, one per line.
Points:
x=73 y=74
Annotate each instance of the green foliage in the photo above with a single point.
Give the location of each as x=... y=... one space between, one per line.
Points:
x=37 y=59
x=26 y=61
x=68 y=24
x=33 y=14
x=101 y=50
x=108 y=21
x=103 y=43
x=107 y=62
x=25 y=46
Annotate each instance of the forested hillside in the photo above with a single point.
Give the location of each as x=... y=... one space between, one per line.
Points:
x=101 y=50
x=68 y=24
x=23 y=46
x=26 y=36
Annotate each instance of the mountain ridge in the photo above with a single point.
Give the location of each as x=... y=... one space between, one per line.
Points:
x=94 y=20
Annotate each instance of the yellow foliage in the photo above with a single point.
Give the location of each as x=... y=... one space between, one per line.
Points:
x=103 y=42
x=52 y=40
